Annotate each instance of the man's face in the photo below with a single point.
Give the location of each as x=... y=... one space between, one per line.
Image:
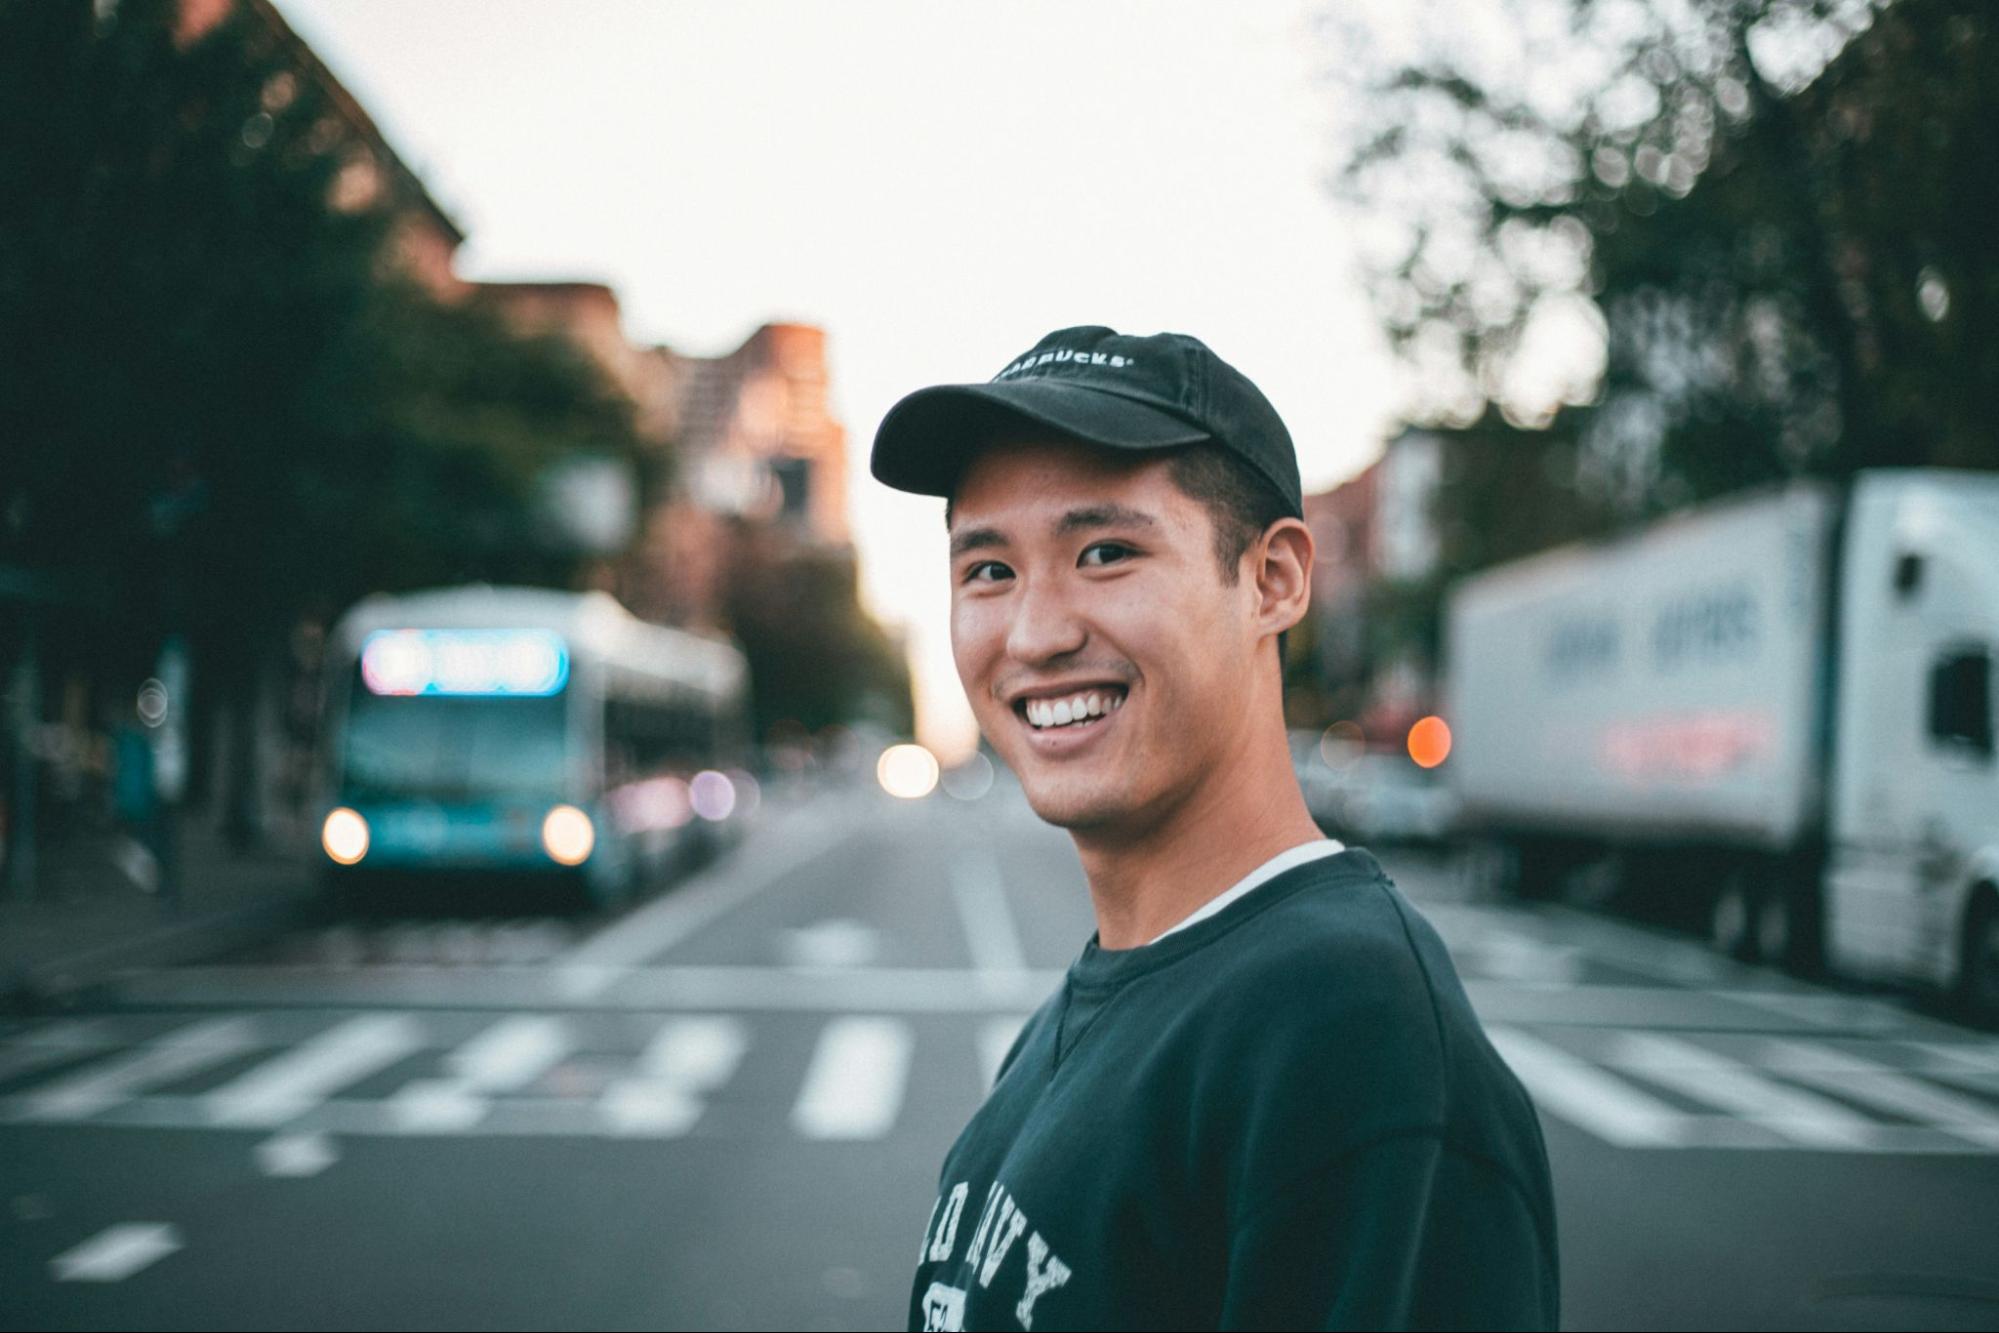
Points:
x=1083 y=575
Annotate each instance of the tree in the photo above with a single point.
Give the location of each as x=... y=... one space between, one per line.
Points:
x=225 y=405
x=1768 y=208
x=816 y=657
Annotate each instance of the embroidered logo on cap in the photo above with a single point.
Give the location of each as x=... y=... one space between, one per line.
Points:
x=1059 y=355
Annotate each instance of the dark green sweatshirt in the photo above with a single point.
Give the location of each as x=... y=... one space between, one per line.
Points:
x=1283 y=1116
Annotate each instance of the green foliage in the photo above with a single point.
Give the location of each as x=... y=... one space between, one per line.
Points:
x=1778 y=207
x=223 y=404
x=816 y=657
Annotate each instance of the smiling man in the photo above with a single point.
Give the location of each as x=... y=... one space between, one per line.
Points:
x=1260 y=1098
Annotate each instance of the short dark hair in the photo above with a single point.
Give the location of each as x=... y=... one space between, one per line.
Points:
x=1241 y=503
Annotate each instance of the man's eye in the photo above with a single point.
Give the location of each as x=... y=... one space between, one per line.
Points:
x=999 y=571
x=1116 y=550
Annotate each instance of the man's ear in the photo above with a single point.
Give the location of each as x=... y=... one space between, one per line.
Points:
x=1282 y=569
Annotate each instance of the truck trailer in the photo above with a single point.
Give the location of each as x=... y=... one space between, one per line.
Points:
x=1772 y=712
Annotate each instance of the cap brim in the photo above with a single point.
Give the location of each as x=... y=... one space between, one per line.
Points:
x=929 y=436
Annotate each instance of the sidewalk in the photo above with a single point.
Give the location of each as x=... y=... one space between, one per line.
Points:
x=92 y=915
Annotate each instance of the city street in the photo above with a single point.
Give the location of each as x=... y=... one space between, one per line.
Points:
x=725 y=1107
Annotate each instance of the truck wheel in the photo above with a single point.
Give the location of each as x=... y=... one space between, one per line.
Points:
x=1978 y=976
x=1773 y=925
x=1489 y=870
x=1731 y=926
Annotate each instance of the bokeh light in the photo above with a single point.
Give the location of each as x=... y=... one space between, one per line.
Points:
x=153 y=702
x=344 y=836
x=970 y=780
x=908 y=771
x=568 y=835
x=712 y=795
x=1429 y=741
x=1342 y=745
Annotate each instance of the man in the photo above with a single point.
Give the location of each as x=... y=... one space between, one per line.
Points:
x=1260 y=1097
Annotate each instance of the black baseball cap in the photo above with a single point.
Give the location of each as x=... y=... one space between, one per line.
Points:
x=1097 y=386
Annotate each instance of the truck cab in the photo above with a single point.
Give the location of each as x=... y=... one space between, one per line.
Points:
x=1912 y=877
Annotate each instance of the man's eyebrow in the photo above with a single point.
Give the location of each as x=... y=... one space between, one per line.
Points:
x=1103 y=516
x=1076 y=520
x=975 y=539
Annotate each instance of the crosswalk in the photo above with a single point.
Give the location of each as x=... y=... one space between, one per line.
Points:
x=1660 y=1089
x=671 y=1075
x=414 y=1073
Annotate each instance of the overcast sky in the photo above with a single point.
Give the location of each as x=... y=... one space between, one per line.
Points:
x=937 y=185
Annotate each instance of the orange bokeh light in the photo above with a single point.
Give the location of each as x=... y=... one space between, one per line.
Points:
x=1429 y=741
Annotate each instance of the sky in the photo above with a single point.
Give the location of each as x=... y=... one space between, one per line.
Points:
x=936 y=185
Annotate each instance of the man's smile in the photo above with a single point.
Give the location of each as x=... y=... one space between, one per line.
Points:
x=1059 y=725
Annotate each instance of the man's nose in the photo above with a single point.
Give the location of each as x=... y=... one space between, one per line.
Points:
x=1045 y=626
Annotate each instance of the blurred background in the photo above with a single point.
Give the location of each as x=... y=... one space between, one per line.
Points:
x=490 y=833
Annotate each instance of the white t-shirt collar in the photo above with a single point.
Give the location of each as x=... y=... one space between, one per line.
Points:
x=1276 y=865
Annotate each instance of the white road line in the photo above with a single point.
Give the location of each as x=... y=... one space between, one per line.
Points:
x=1980 y=1057
x=1890 y=1089
x=177 y=1054
x=52 y=1043
x=511 y=1054
x=978 y=890
x=1804 y=1117
x=291 y=1084
x=436 y=1106
x=296 y=1155
x=601 y=961
x=853 y=1088
x=642 y=1108
x=1586 y=1096
x=688 y=1057
x=114 y=1254
x=698 y=1051
x=1506 y=955
x=939 y=990
x=1843 y=1013
x=507 y=1056
x=942 y=990
x=995 y=1040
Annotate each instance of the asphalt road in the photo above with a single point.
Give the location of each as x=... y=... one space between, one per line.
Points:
x=726 y=1106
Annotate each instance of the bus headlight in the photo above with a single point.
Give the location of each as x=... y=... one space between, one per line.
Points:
x=568 y=835
x=344 y=835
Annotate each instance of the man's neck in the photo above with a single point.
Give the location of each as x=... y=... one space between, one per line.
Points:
x=1227 y=827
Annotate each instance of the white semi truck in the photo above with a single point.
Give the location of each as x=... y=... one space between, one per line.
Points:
x=1774 y=711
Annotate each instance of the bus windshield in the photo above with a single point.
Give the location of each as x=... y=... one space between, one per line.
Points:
x=444 y=747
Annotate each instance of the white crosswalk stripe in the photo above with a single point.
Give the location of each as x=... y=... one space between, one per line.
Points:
x=106 y=1083
x=995 y=1040
x=287 y=1086
x=687 y=1058
x=1892 y=1091
x=52 y=1044
x=1695 y=1072
x=1587 y=1096
x=853 y=1088
x=504 y=1058
x=575 y=1075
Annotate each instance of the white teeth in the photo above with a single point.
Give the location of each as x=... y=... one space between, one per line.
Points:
x=1043 y=713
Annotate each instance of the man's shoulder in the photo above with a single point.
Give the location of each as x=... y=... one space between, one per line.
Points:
x=1337 y=936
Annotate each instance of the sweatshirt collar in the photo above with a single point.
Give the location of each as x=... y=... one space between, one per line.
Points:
x=1098 y=968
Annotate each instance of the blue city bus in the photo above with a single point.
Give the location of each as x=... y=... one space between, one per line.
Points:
x=528 y=733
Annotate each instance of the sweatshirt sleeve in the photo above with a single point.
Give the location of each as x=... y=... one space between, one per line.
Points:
x=1404 y=1232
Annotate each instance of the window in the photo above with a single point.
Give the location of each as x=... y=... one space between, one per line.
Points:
x=1961 y=701
x=794 y=481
